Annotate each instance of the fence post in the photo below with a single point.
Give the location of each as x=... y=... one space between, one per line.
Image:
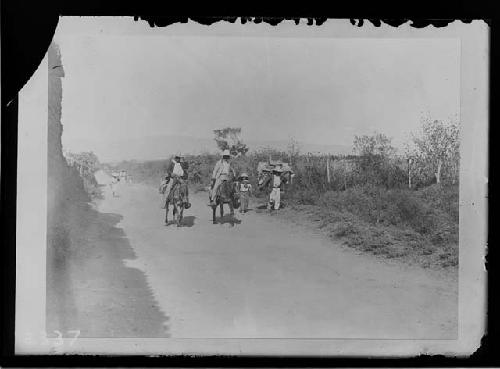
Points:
x=345 y=174
x=328 y=168
x=438 y=174
x=409 y=172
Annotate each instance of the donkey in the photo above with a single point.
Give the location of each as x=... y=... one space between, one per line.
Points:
x=226 y=194
x=177 y=198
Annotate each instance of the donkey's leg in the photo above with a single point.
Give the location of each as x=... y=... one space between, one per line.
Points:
x=166 y=213
x=231 y=212
x=179 y=218
x=214 y=208
x=221 y=209
x=175 y=211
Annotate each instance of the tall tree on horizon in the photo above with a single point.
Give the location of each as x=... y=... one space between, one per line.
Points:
x=229 y=138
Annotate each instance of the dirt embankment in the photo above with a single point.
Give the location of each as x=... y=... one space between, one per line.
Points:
x=88 y=287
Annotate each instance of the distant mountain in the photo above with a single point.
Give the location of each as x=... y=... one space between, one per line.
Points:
x=161 y=147
x=144 y=148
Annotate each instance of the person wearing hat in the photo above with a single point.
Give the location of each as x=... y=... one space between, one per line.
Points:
x=274 y=197
x=114 y=184
x=174 y=172
x=185 y=167
x=245 y=190
x=221 y=173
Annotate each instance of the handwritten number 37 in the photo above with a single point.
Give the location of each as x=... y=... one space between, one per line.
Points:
x=59 y=337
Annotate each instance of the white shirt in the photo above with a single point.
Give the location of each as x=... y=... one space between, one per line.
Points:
x=276 y=181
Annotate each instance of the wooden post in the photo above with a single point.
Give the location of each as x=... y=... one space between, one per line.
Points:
x=345 y=174
x=409 y=172
x=438 y=174
x=328 y=168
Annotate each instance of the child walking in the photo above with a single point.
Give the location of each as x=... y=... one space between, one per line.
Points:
x=245 y=190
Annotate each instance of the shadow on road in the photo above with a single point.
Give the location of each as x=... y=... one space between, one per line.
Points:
x=228 y=218
x=188 y=221
x=88 y=286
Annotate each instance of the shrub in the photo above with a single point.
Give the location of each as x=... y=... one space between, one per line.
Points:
x=400 y=208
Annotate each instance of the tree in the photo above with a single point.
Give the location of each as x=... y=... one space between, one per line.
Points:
x=376 y=145
x=85 y=161
x=372 y=151
x=229 y=138
x=375 y=162
x=436 y=151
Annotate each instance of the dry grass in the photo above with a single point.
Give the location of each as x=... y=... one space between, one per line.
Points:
x=395 y=224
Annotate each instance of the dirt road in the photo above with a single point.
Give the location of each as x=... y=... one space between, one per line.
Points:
x=266 y=278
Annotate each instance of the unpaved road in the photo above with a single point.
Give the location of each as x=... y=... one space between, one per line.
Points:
x=265 y=278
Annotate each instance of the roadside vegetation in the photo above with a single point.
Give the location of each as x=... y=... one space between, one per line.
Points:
x=86 y=164
x=377 y=200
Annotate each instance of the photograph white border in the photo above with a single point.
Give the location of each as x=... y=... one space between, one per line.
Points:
x=32 y=210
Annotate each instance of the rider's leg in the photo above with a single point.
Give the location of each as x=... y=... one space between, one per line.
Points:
x=169 y=187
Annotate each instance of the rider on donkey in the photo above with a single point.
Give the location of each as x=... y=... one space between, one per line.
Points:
x=220 y=174
x=176 y=171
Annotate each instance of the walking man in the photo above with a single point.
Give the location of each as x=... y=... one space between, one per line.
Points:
x=274 y=197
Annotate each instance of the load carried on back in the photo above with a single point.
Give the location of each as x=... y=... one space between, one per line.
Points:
x=269 y=166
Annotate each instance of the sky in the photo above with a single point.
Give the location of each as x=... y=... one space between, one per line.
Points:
x=123 y=81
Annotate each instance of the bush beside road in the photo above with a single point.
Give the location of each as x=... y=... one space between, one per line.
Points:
x=401 y=224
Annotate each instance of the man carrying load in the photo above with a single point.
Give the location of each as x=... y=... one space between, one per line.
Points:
x=221 y=173
x=275 y=196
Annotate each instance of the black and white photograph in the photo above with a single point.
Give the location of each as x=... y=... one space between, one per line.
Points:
x=243 y=188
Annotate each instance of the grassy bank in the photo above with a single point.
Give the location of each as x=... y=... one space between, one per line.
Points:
x=416 y=226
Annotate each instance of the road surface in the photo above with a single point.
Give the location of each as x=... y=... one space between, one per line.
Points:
x=265 y=278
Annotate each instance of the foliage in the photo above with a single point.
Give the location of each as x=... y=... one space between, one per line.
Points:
x=435 y=153
x=229 y=138
x=377 y=162
x=85 y=164
x=396 y=222
x=87 y=160
x=376 y=145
